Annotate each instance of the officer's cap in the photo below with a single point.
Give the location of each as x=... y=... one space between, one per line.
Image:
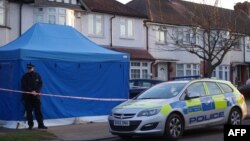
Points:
x=29 y=66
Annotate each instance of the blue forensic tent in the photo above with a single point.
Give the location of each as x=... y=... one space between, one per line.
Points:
x=70 y=65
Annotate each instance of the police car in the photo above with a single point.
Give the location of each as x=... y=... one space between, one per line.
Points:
x=169 y=108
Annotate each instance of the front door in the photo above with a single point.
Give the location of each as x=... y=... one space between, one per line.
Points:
x=163 y=71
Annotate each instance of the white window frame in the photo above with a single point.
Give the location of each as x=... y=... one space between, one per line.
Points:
x=93 y=29
x=224 y=69
x=193 y=68
x=140 y=66
x=47 y=12
x=160 y=37
x=128 y=32
x=179 y=34
x=247 y=42
x=3 y=13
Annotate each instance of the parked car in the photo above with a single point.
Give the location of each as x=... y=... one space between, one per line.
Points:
x=169 y=108
x=136 y=86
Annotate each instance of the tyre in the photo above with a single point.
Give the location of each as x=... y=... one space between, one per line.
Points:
x=235 y=117
x=174 y=127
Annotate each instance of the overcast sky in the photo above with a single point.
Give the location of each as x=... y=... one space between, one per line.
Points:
x=229 y=4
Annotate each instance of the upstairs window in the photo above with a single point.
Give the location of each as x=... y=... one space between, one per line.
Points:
x=50 y=15
x=2 y=12
x=160 y=37
x=248 y=43
x=126 y=28
x=95 y=24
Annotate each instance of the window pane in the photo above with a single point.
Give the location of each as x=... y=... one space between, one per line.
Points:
x=196 y=88
x=130 y=28
x=66 y=1
x=188 y=72
x=180 y=66
x=99 y=25
x=225 y=88
x=135 y=73
x=2 y=13
x=62 y=11
x=213 y=88
x=144 y=73
x=39 y=19
x=2 y=16
x=123 y=30
x=162 y=36
x=73 y=1
x=135 y=64
x=52 y=10
x=52 y=19
x=195 y=72
x=144 y=64
x=221 y=74
x=62 y=20
x=180 y=73
x=90 y=24
x=188 y=66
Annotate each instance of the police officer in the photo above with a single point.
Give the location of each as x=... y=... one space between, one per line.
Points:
x=32 y=83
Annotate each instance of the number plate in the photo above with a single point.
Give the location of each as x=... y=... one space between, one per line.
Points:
x=121 y=123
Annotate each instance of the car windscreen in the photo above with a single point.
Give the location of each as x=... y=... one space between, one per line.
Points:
x=162 y=91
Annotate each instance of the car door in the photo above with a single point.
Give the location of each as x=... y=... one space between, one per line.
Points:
x=219 y=104
x=194 y=111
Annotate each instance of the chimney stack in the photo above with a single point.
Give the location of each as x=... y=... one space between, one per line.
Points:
x=244 y=7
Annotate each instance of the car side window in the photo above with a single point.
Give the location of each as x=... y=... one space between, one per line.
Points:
x=213 y=88
x=146 y=84
x=196 y=88
x=226 y=88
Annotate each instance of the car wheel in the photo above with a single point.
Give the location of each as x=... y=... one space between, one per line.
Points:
x=174 y=127
x=234 y=117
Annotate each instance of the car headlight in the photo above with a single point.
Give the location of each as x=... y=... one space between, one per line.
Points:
x=149 y=112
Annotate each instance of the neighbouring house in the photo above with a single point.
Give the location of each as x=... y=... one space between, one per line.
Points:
x=106 y=22
x=173 y=17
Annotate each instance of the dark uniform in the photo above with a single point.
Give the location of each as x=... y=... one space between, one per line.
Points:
x=31 y=81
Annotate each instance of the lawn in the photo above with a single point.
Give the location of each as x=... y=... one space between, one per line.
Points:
x=27 y=135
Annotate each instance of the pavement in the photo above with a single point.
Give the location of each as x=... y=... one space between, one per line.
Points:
x=84 y=132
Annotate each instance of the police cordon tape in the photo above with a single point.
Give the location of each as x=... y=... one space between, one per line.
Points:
x=67 y=97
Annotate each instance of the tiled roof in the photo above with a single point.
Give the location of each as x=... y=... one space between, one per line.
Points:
x=112 y=7
x=135 y=53
x=178 y=12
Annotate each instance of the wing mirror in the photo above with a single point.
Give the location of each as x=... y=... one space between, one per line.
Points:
x=191 y=95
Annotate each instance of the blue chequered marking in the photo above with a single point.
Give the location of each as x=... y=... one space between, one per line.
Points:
x=231 y=99
x=180 y=105
x=194 y=109
x=207 y=106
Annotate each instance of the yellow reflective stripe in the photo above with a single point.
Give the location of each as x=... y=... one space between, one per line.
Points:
x=219 y=101
x=166 y=109
x=193 y=102
x=240 y=100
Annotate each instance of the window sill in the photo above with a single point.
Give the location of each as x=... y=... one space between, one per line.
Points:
x=96 y=36
x=160 y=43
x=3 y=26
x=127 y=38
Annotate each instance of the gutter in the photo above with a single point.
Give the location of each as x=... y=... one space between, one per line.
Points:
x=111 y=30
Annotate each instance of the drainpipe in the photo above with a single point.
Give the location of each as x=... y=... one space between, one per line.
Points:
x=111 y=30
x=20 y=17
x=147 y=38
